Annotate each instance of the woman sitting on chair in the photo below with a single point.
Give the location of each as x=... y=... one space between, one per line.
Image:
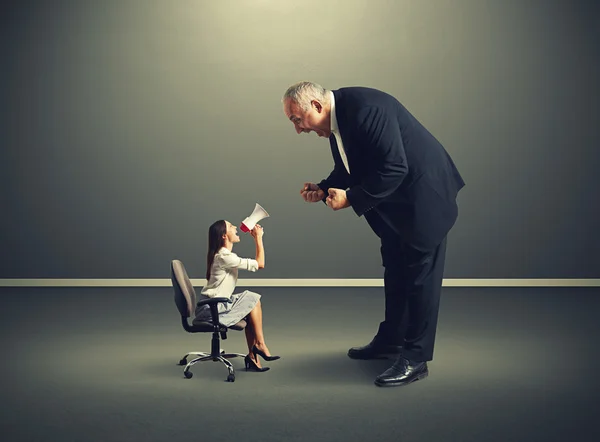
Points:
x=222 y=273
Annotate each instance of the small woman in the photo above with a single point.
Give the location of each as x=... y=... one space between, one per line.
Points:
x=222 y=273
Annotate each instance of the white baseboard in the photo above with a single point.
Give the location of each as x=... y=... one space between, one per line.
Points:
x=291 y=282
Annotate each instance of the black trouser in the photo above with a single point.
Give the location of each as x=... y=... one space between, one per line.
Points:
x=413 y=283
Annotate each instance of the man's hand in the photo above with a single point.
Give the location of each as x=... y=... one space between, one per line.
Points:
x=337 y=199
x=311 y=193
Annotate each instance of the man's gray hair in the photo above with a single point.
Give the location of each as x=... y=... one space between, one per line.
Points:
x=304 y=92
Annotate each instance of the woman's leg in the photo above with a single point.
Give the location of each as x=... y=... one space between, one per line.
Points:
x=250 y=339
x=256 y=330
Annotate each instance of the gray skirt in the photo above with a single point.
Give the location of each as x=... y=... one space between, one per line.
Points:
x=230 y=313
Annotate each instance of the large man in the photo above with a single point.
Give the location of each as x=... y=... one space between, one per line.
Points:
x=390 y=169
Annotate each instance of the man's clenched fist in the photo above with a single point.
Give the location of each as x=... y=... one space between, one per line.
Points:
x=337 y=199
x=311 y=193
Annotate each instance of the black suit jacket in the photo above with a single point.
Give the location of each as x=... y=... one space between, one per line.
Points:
x=401 y=178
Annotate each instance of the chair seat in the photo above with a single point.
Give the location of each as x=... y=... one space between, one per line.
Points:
x=207 y=326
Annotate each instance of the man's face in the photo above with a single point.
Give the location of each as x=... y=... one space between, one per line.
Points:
x=315 y=119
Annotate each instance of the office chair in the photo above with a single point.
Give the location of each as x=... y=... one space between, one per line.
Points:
x=185 y=299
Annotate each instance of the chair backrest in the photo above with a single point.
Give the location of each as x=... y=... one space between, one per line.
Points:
x=185 y=296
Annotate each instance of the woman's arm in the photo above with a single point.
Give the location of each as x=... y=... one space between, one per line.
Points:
x=257 y=234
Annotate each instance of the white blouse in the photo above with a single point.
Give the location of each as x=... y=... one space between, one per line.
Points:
x=224 y=273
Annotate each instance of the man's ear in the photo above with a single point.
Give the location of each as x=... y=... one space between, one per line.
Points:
x=318 y=107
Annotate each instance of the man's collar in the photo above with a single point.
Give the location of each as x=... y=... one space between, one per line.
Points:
x=334 y=125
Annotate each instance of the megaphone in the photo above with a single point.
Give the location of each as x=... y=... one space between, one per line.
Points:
x=258 y=214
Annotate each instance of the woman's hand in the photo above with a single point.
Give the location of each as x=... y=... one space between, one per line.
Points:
x=257 y=232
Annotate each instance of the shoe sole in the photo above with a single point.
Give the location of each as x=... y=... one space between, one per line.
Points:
x=363 y=358
x=375 y=356
x=400 y=384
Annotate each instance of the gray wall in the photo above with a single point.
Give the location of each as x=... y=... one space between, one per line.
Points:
x=127 y=127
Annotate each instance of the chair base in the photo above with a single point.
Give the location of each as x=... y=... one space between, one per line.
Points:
x=202 y=356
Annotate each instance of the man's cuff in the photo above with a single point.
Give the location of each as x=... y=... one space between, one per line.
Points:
x=323 y=185
x=358 y=200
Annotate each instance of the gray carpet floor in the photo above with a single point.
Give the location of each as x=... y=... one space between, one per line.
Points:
x=83 y=364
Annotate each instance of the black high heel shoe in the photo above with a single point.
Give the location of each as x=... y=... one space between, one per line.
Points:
x=251 y=365
x=256 y=351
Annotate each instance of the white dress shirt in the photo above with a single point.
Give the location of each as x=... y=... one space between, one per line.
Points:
x=224 y=273
x=336 y=132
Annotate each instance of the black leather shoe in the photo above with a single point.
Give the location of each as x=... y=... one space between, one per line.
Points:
x=374 y=350
x=251 y=365
x=401 y=373
x=256 y=351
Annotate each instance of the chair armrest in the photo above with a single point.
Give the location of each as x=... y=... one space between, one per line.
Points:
x=214 y=313
x=213 y=301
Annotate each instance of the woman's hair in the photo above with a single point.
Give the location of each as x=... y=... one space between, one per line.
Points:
x=215 y=242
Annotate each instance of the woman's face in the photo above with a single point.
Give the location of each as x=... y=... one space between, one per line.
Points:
x=231 y=234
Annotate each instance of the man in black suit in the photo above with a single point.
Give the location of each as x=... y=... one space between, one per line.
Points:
x=390 y=169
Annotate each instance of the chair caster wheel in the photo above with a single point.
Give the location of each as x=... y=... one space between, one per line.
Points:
x=188 y=374
x=183 y=361
x=231 y=378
